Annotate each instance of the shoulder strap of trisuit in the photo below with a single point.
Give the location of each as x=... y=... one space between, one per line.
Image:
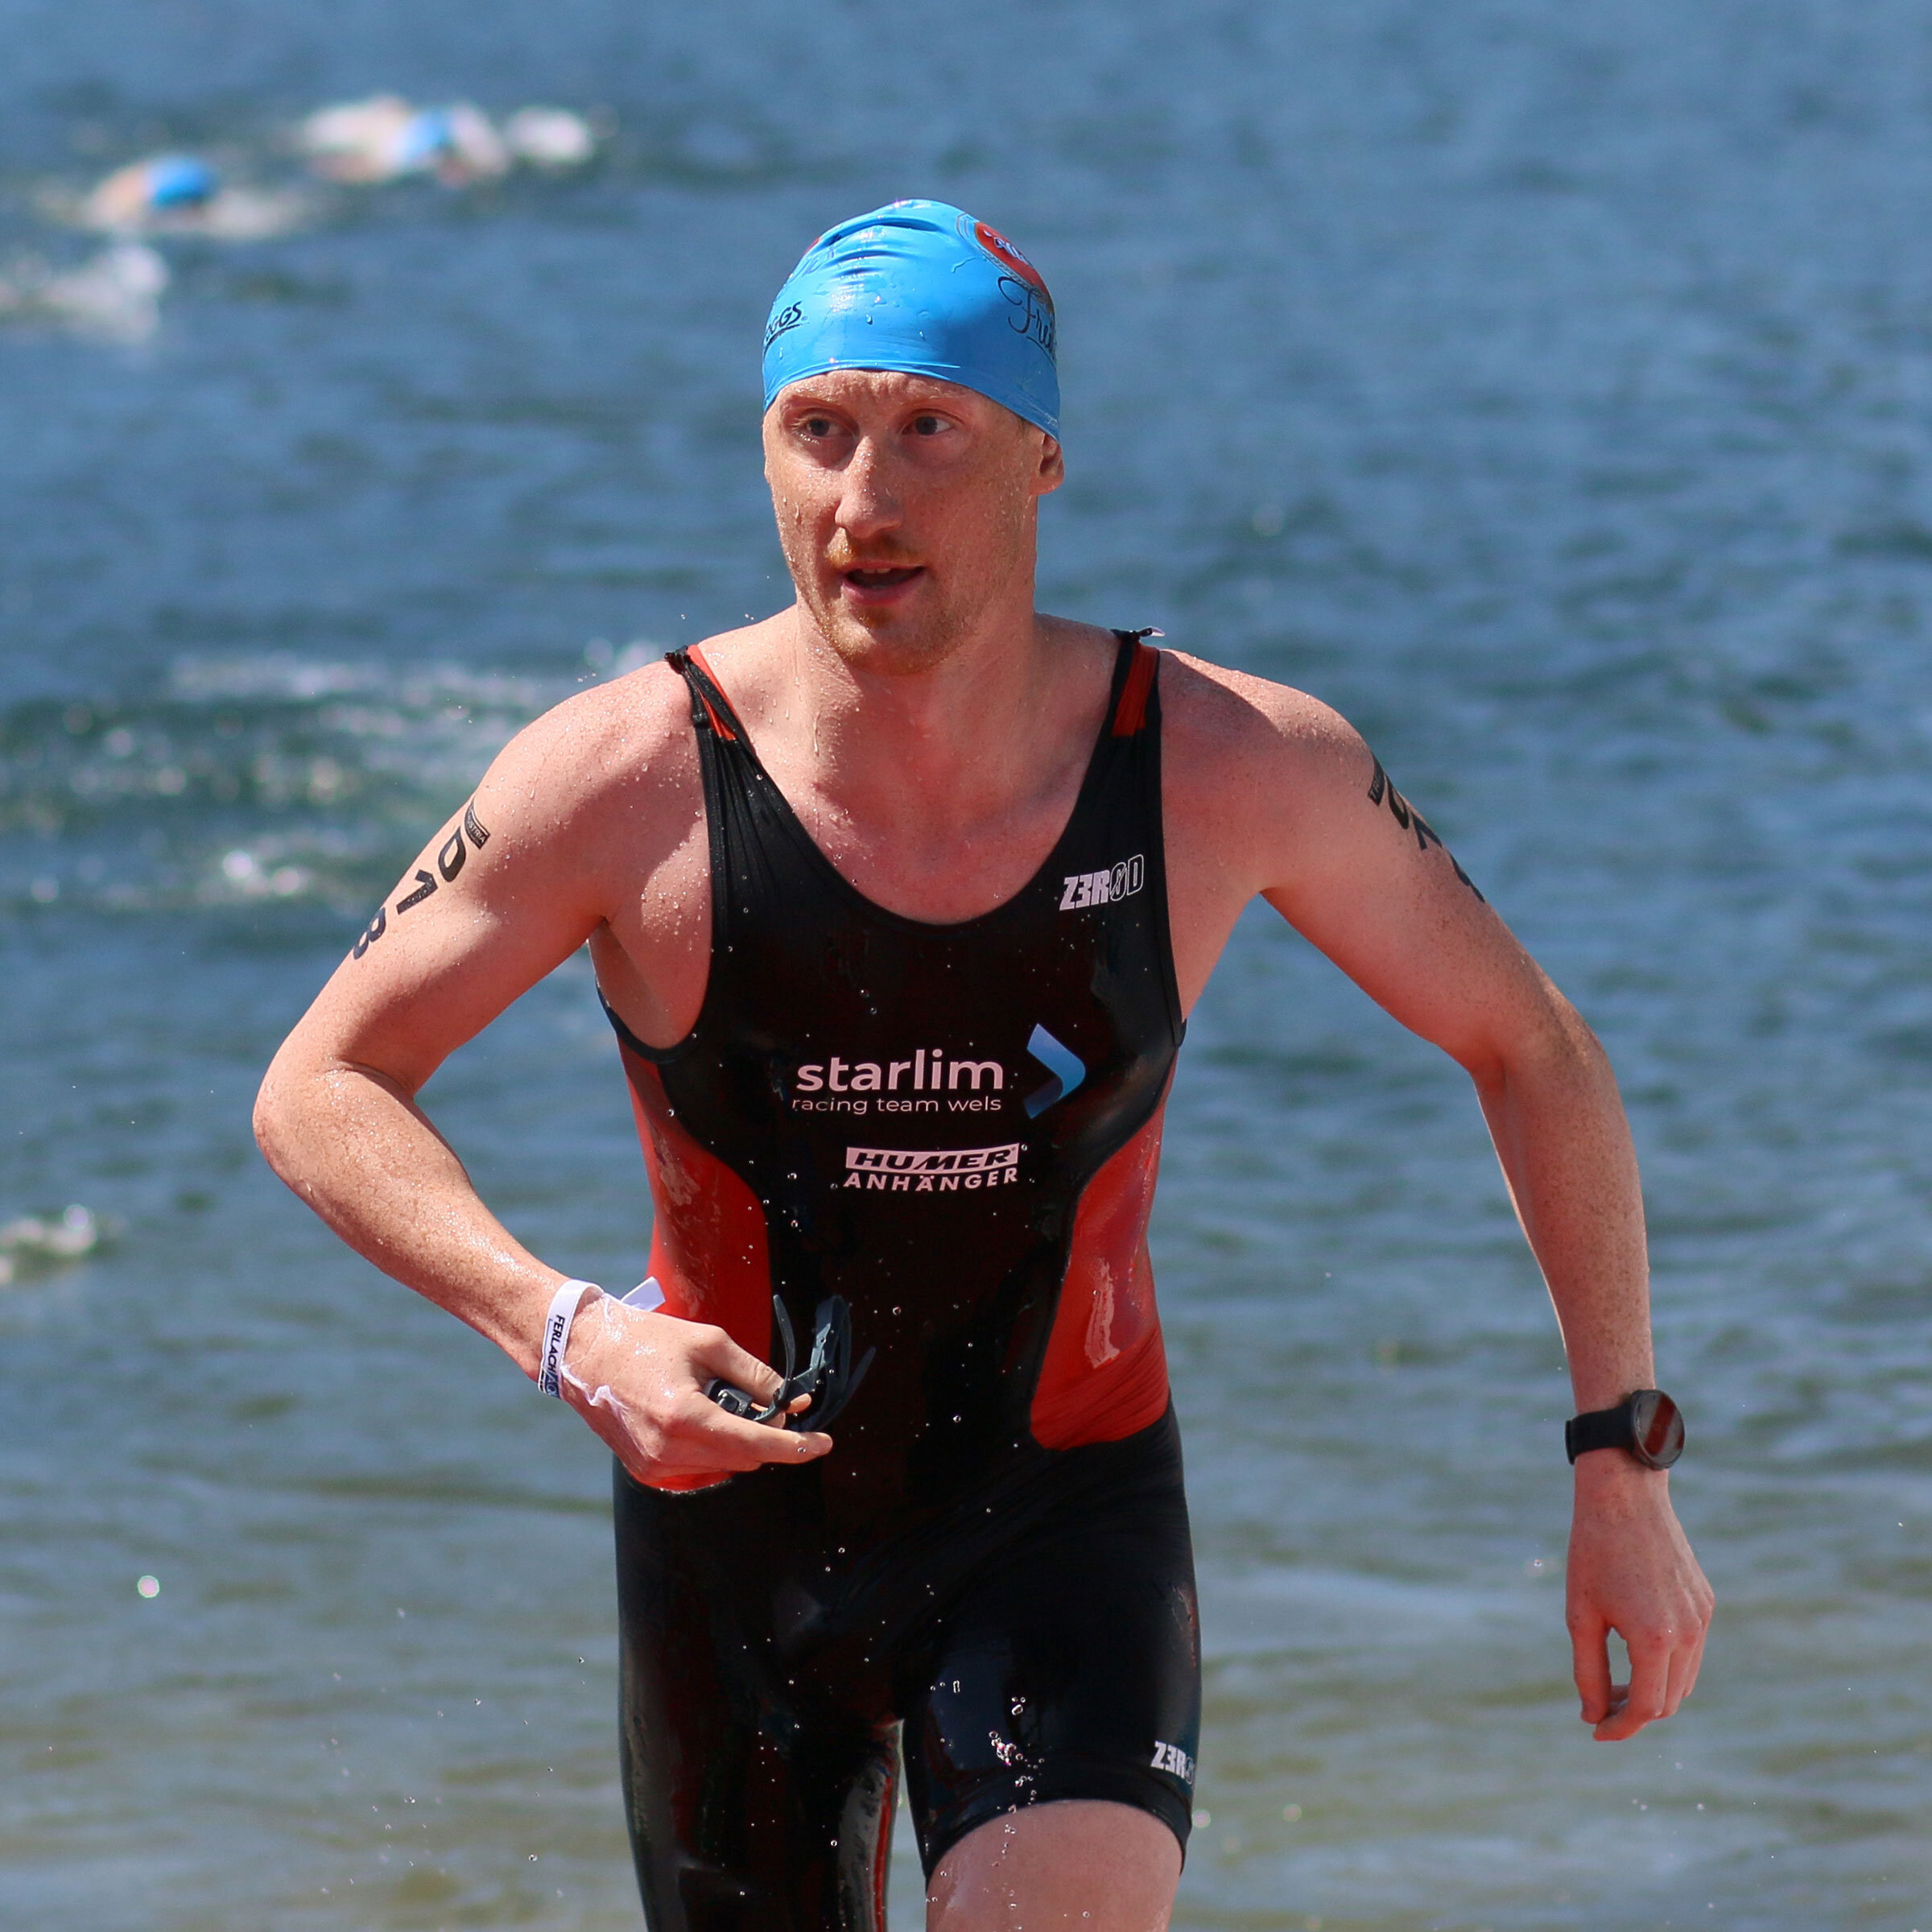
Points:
x=1133 y=680
x=709 y=704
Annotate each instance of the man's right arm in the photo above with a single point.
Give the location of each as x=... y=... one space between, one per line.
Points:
x=589 y=815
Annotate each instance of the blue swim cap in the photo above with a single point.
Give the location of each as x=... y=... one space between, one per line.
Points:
x=179 y=181
x=920 y=286
x=426 y=135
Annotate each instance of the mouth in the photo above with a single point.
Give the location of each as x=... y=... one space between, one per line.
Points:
x=881 y=585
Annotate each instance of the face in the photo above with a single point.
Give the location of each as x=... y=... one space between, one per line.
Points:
x=906 y=508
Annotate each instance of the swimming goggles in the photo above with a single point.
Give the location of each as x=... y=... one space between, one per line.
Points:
x=828 y=1376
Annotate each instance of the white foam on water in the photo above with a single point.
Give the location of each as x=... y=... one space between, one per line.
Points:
x=116 y=293
x=33 y=1243
x=257 y=778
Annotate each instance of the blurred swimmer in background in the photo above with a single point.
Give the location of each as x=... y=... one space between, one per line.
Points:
x=160 y=187
x=183 y=194
x=384 y=138
x=363 y=143
x=177 y=195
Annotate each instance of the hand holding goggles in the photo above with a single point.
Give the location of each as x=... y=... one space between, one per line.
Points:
x=829 y=1377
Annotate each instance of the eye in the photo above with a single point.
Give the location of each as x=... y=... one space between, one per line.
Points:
x=929 y=426
x=815 y=426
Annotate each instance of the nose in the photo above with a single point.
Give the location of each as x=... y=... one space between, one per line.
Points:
x=869 y=506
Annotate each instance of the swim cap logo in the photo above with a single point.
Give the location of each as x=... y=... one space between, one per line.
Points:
x=1008 y=256
x=1023 y=286
x=787 y=319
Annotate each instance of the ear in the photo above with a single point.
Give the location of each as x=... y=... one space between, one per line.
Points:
x=1052 y=471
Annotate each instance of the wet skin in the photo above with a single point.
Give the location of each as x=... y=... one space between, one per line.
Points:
x=929 y=727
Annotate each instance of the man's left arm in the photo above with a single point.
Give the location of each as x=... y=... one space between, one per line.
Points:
x=1551 y=1102
x=1301 y=812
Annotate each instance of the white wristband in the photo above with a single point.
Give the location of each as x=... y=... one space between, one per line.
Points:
x=556 y=1334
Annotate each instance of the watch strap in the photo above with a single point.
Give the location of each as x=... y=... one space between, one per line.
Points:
x=1600 y=1429
x=1647 y=1425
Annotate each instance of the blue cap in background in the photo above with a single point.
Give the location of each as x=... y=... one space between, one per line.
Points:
x=180 y=181
x=923 y=288
x=427 y=135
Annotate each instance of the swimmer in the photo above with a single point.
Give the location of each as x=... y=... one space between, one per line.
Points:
x=384 y=138
x=898 y=901
x=146 y=192
x=183 y=194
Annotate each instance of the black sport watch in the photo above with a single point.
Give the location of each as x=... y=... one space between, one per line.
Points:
x=1646 y=1425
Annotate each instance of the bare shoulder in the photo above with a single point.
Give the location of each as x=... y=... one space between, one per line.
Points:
x=1228 y=736
x=1254 y=779
x=1267 y=791
x=617 y=747
x=576 y=817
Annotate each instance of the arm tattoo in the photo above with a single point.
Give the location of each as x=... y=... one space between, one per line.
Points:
x=1380 y=788
x=450 y=857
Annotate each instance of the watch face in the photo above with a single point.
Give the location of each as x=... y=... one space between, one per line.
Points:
x=1657 y=1431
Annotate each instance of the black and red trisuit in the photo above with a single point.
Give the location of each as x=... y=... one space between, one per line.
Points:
x=956 y=1129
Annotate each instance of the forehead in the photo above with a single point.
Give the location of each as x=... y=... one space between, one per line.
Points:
x=859 y=390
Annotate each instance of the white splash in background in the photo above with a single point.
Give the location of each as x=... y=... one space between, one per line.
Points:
x=31 y=1244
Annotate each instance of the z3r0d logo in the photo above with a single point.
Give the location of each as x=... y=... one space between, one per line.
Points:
x=1102 y=888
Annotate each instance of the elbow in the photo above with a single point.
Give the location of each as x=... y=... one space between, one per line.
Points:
x=1550 y=1044
x=306 y=1108
x=275 y=1117
x=267 y=1120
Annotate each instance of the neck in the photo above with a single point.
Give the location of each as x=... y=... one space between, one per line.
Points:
x=960 y=736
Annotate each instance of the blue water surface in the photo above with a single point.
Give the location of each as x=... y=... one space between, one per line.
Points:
x=1549 y=388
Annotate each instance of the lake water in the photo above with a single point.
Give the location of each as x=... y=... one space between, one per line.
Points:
x=1549 y=388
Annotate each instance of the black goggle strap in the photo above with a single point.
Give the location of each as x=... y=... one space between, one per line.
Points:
x=827 y=1377
x=835 y=1381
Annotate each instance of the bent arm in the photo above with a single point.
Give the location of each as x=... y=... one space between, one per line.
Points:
x=337 y=1115
x=1561 y=1135
x=505 y=892
x=1349 y=862
x=1558 y=1123
x=349 y=1136
x=1362 y=875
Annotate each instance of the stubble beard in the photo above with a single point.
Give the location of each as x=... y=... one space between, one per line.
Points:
x=894 y=644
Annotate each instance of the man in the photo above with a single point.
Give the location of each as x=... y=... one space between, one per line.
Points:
x=898 y=901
